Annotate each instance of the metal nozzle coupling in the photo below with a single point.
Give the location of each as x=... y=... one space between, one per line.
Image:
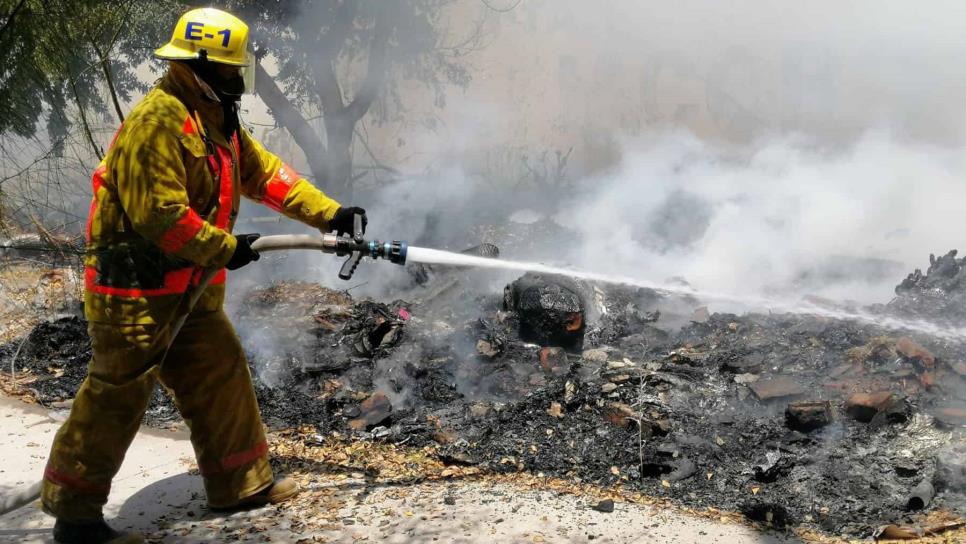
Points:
x=394 y=252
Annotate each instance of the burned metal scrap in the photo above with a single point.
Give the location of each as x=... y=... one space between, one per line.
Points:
x=550 y=310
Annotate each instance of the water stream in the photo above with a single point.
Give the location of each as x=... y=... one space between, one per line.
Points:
x=753 y=303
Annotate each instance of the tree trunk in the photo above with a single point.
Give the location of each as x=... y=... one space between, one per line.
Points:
x=106 y=67
x=289 y=117
x=98 y=152
x=339 y=130
x=332 y=164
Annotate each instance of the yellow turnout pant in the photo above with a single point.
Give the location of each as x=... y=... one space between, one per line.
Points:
x=207 y=374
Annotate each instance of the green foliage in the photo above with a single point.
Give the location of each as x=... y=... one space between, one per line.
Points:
x=345 y=59
x=74 y=62
x=56 y=52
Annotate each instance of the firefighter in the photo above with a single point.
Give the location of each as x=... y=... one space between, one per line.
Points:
x=165 y=200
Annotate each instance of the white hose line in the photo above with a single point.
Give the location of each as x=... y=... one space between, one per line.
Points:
x=20 y=497
x=278 y=242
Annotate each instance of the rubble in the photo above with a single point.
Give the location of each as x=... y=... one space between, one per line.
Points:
x=882 y=406
x=921 y=495
x=595 y=355
x=915 y=353
x=374 y=410
x=895 y=532
x=770 y=514
x=606 y=506
x=729 y=412
x=621 y=415
x=53 y=358
x=808 y=416
x=554 y=360
x=937 y=295
x=951 y=416
x=776 y=387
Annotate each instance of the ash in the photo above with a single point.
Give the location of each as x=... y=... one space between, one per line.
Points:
x=790 y=419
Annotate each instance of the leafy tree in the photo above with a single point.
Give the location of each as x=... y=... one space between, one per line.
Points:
x=341 y=59
x=77 y=57
x=73 y=62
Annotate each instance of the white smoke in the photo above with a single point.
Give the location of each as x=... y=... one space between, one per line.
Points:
x=752 y=148
x=759 y=144
x=774 y=217
x=762 y=148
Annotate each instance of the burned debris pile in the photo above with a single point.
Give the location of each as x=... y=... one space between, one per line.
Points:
x=54 y=357
x=790 y=419
x=57 y=350
x=938 y=295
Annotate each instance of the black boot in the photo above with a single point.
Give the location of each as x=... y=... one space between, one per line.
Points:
x=92 y=532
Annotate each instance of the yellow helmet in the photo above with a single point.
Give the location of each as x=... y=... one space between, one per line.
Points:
x=208 y=33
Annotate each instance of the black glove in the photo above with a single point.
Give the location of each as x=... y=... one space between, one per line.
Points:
x=244 y=253
x=341 y=223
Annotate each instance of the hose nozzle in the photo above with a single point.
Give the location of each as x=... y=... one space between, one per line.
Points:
x=394 y=252
x=356 y=247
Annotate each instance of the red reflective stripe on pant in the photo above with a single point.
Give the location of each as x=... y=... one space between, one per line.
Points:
x=181 y=232
x=236 y=460
x=278 y=187
x=73 y=482
x=175 y=283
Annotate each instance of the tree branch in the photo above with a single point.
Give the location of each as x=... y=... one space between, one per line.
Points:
x=288 y=116
x=106 y=66
x=98 y=152
x=11 y=17
x=328 y=88
x=375 y=160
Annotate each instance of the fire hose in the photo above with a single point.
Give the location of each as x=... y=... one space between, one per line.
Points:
x=354 y=247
